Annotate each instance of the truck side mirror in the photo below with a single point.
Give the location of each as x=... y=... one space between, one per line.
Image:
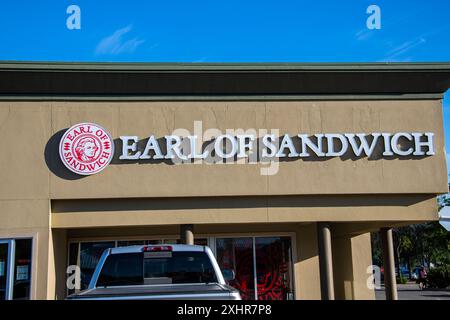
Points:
x=228 y=274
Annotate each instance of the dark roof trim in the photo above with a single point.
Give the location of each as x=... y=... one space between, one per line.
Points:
x=217 y=79
x=323 y=97
x=222 y=67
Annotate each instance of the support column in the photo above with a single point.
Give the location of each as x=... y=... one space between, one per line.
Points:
x=390 y=284
x=325 y=261
x=187 y=233
x=352 y=254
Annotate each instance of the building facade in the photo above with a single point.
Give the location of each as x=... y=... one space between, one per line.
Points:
x=283 y=170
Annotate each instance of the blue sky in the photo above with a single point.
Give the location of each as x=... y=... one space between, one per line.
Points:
x=228 y=31
x=225 y=31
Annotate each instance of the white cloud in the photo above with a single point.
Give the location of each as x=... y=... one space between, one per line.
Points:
x=399 y=51
x=202 y=59
x=364 y=34
x=117 y=43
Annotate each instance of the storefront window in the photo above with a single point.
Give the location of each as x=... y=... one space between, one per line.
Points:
x=201 y=241
x=73 y=253
x=237 y=254
x=273 y=268
x=15 y=269
x=130 y=243
x=171 y=241
x=266 y=260
x=22 y=270
x=150 y=242
x=90 y=254
x=262 y=265
x=73 y=258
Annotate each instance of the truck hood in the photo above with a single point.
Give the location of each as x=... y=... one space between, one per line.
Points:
x=177 y=291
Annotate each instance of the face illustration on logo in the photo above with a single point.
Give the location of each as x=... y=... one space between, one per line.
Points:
x=86 y=149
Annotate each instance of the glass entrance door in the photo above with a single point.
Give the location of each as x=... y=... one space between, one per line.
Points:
x=6 y=254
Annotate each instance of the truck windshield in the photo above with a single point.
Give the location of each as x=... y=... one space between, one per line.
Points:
x=151 y=268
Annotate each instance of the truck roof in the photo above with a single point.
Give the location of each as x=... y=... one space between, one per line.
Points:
x=175 y=247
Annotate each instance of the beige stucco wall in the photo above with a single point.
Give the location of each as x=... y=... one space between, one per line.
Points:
x=236 y=210
x=26 y=127
x=30 y=219
x=307 y=275
x=352 y=256
x=333 y=176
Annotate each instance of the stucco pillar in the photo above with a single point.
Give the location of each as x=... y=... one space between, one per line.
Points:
x=390 y=284
x=307 y=268
x=187 y=233
x=352 y=256
x=325 y=261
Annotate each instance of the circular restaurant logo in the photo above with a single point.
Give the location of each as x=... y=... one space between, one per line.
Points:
x=86 y=148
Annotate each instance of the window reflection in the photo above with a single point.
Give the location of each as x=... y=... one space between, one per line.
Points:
x=273 y=268
x=266 y=259
x=22 y=269
x=237 y=254
x=90 y=254
x=130 y=243
x=15 y=269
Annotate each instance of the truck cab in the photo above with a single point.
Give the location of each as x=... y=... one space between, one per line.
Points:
x=158 y=272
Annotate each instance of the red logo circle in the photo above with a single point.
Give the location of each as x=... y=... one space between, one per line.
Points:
x=86 y=148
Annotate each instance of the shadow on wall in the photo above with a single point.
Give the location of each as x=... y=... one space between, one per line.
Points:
x=53 y=161
x=307 y=201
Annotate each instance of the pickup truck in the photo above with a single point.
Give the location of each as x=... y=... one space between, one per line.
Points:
x=163 y=272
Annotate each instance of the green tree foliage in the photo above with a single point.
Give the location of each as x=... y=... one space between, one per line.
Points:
x=439 y=277
x=419 y=244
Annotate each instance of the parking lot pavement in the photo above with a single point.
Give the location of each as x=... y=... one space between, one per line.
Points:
x=411 y=291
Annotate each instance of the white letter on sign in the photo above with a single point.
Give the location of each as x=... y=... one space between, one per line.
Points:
x=306 y=142
x=287 y=143
x=173 y=144
x=364 y=145
x=152 y=144
x=196 y=149
x=396 y=147
x=267 y=141
x=126 y=148
x=387 y=144
x=221 y=141
x=244 y=145
x=419 y=144
x=331 y=152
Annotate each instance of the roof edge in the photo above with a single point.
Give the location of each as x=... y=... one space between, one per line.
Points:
x=222 y=67
x=221 y=79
